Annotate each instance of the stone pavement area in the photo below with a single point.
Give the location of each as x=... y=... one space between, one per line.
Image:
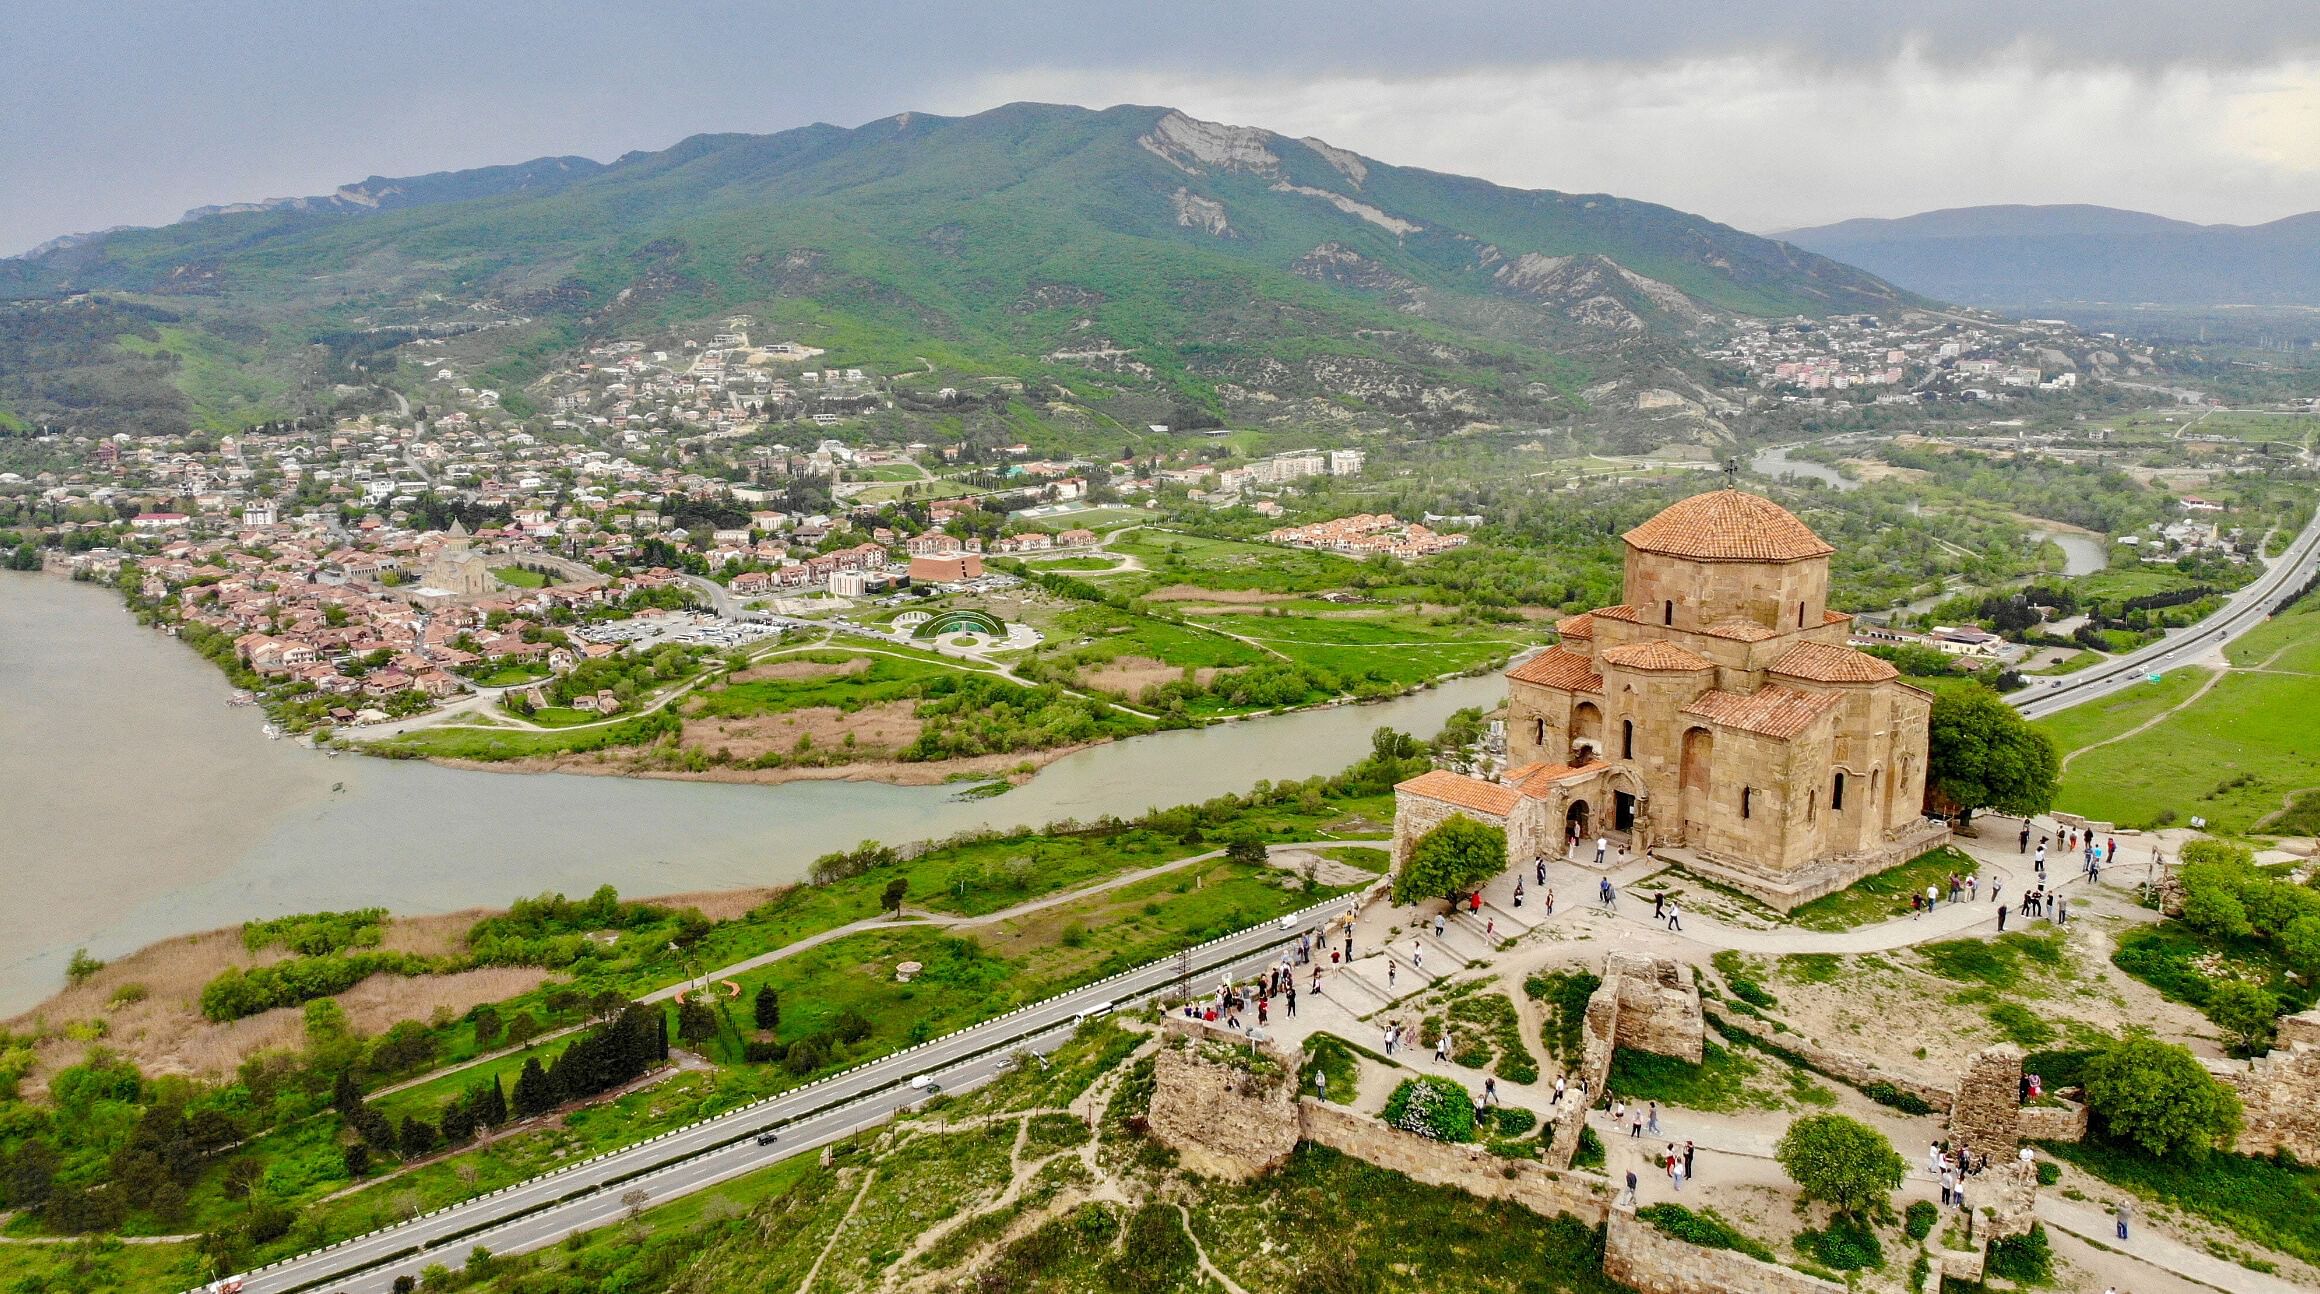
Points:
x=1360 y=998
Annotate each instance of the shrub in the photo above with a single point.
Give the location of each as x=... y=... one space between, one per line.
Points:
x=1565 y=995
x=1884 y=1093
x=1436 y=1108
x=2049 y=1172
x=1451 y=859
x=1591 y=1155
x=1846 y=1244
x=2025 y=1259
x=1918 y=1222
x=2157 y=1096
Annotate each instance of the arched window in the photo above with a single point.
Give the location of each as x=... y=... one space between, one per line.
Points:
x=1812 y=804
x=1627 y=738
x=1540 y=736
x=1667 y=615
x=1747 y=800
x=1837 y=794
x=1800 y=615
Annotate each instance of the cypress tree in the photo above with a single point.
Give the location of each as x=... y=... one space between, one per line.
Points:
x=533 y=1094
x=417 y=1138
x=767 y=1006
x=344 y=1095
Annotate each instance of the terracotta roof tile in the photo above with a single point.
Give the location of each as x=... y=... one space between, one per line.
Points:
x=1621 y=611
x=1836 y=618
x=1655 y=656
x=1557 y=668
x=1536 y=781
x=1728 y=526
x=1771 y=710
x=1823 y=663
x=1578 y=626
x=1463 y=792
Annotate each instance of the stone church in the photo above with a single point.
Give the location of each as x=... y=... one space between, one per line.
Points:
x=1717 y=718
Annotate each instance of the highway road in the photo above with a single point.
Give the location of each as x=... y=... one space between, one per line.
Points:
x=541 y=1212
x=2244 y=611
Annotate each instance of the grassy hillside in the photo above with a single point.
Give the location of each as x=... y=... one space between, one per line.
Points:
x=1128 y=248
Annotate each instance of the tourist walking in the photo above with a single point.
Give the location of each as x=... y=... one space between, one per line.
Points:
x=1659 y=906
x=1442 y=1046
x=1439 y=923
x=1635 y=1121
x=2123 y=1214
x=1602 y=850
x=1689 y=1151
x=2001 y=918
x=1652 y=1122
x=1490 y=1093
x=1931 y=898
x=1676 y=916
x=1542 y=869
x=2025 y=847
x=1628 y=1198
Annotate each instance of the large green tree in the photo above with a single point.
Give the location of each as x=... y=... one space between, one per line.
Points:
x=1984 y=755
x=1451 y=859
x=2158 y=1097
x=1840 y=1161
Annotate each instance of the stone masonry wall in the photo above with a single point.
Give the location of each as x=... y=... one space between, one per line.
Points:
x=1222 y=1120
x=1659 y=1006
x=2279 y=1092
x=1641 y=1256
x=1985 y=1114
x=2009 y=1190
x=1543 y=1190
x=2065 y=1122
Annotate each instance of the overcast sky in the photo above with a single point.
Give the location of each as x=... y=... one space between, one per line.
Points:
x=1761 y=113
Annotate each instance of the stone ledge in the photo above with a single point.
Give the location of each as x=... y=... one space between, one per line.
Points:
x=1790 y=891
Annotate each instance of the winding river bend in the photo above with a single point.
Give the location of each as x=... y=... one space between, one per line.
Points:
x=135 y=804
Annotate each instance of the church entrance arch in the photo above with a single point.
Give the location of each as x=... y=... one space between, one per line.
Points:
x=1575 y=820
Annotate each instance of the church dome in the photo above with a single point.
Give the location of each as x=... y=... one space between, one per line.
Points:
x=1728 y=526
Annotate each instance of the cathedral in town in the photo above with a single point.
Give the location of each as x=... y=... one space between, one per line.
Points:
x=1717 y=718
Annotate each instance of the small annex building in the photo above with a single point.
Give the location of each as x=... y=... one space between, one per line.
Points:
x=1717 y=717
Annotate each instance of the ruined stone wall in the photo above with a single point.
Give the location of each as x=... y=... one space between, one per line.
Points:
x=1658 y=1006
x=2065 y=1122
x=1640 y=1256
x=1986 y=1112
x=2009 y=1190
x=1222 y=1119
x=1843 y=1066
x=1543 y=1190
x=2279 y=1096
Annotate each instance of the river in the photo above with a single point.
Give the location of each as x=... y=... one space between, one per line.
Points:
x=137 y=805
x=2082 y=554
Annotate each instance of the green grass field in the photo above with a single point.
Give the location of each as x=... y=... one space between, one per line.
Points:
x=2235 y=756
x=1397 y=649
x=1885 y=895
x=520 y=577
x=887 y=678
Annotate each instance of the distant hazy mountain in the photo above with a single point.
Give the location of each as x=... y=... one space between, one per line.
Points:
x=1135 y=251
x=2028 y=256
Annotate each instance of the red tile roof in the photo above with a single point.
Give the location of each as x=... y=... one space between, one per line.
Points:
x=1619 y=611
x=1535 y=781
x=1728 y=526
x=1463 y=792
x=1581 y=625
x=1824 y=663
x=1771 y=710
x=1655 y=656
x=1557 y=668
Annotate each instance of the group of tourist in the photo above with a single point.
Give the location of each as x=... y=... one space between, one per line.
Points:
x=1951 y=1167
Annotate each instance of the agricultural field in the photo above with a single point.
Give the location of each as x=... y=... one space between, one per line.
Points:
x=2237 y=755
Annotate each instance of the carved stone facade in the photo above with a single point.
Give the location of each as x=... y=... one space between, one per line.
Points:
x=1718 y=710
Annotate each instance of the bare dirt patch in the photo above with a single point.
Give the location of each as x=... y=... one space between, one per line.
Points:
x=779 y=669
x=876 y=729
x=1129 y=676
x=1870 y=469
x=723 y=905
x=383 y=1000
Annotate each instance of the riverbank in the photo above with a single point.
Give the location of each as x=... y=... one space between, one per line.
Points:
x=1015 y=768
x=98 y=717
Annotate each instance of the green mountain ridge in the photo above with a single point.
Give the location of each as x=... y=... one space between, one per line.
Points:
x=1132 y=249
